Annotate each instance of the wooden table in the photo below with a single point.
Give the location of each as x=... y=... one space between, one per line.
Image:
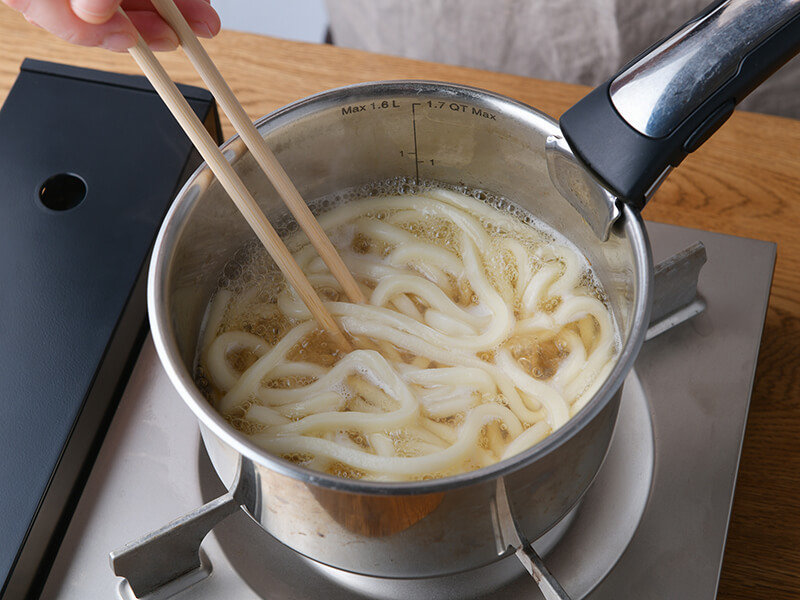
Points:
x=745 y=181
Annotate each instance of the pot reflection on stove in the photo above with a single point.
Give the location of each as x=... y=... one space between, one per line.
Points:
x=376 y=516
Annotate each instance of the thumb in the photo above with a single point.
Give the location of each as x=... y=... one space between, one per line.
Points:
x=94 y=11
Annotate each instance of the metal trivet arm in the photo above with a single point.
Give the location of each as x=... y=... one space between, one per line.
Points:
x=512 y=537
x=170 y=557
x=675 y=297
x=168 y=560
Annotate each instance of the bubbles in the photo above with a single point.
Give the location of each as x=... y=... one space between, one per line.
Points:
x=299 y=458
x=289 y=382
x=241 y=358
x=358 y=439
x=342 y=470
x=539 y=358
x=361 y=244
x=317 y=348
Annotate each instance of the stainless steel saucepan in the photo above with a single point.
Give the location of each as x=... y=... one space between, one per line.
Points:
x=604 y=159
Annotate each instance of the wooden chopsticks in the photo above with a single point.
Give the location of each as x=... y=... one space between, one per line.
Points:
x=231 y=182
x=258 y=147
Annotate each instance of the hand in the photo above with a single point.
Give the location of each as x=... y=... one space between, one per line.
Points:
x=98 y=23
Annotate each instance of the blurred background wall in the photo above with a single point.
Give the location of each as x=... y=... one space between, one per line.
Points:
x=577 y=41
x=302 y=20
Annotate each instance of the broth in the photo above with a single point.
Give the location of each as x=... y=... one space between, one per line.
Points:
x=484 y=332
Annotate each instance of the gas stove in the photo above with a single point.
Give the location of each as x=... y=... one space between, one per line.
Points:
x=79 y=219
x=652 y=525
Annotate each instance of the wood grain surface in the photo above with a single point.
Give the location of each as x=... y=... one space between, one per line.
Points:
x=744 y=181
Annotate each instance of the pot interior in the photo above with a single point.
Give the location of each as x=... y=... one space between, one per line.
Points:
x=369 y=133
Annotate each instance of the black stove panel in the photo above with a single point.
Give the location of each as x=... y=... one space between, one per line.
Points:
x=89 y=163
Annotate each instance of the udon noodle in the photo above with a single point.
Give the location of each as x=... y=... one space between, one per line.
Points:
x=484 y=333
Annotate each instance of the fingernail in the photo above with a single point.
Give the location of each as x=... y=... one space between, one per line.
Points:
x=92 y=11
x=163 y=45
x=202 y=29
x=118 y=42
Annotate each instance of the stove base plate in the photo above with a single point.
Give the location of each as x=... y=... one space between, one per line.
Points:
x=695 y=380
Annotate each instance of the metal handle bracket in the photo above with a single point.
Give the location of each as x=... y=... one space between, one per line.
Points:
x=168 y=560
x=675 y=297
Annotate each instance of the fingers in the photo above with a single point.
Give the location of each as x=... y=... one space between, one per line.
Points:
x=18 y=5
x=158 y=35
x=56 y=16
x=202 y=18
x=196 y=12
x=94 y=11
x=112 y=30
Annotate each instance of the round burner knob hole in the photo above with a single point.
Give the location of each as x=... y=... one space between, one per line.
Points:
x=63 y=191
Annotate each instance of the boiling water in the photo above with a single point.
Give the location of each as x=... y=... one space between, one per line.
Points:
x=484 y=332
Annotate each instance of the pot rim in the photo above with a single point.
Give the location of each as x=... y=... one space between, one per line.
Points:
x=233 y=148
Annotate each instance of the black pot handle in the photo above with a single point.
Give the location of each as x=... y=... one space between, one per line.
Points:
x=634 y=128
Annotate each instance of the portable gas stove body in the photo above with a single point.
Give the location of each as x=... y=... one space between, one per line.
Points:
x=341 y=139
x=673 y=459
x=660 y=504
